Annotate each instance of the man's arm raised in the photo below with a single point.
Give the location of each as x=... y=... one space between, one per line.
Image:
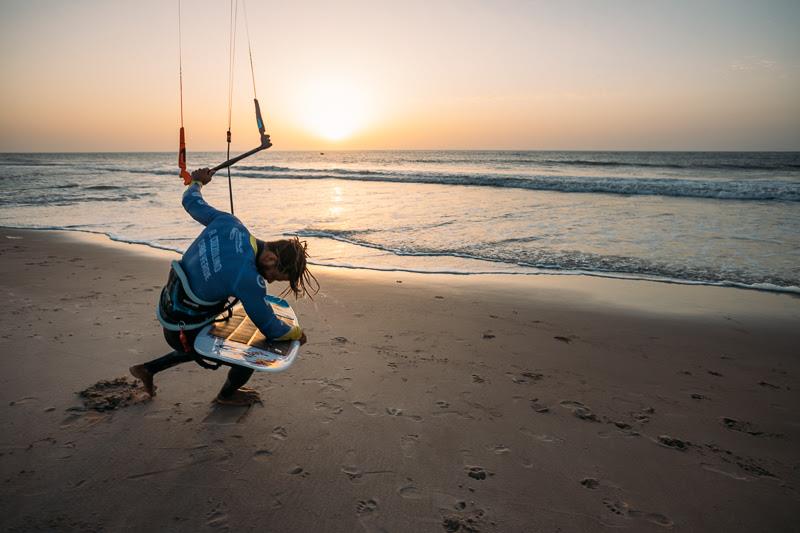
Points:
x=193 y=201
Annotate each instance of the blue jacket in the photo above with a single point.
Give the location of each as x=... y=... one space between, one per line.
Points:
x=221 y=262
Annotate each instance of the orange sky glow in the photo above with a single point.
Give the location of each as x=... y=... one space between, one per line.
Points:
x=103 y=75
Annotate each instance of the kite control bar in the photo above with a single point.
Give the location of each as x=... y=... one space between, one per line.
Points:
x=265 y=143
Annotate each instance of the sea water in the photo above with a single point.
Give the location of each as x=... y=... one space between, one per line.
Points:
x=712 y=218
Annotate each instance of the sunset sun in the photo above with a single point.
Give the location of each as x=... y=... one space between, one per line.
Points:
x=334 y=109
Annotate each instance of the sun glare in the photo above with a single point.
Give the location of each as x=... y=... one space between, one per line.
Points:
x=334 y=109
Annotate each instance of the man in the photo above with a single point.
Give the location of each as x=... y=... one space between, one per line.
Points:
x=224 y=261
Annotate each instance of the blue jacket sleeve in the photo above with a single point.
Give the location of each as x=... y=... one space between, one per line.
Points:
x=250 y=289
x=199 y=210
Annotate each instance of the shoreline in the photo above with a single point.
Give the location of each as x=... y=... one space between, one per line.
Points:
x=422 y=402
x=792 y=291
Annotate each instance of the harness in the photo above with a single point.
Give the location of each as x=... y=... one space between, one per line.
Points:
x=180 y=309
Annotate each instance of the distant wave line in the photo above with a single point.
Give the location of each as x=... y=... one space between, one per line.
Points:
x=721 y=189
x=631 y=164
x=792 y=165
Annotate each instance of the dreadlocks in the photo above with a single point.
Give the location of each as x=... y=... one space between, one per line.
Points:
x=292 y=254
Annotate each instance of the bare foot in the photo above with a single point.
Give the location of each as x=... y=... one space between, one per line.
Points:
x=240 y=397
x=141 y=373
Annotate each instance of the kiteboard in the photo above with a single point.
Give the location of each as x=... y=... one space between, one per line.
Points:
x=237 y=340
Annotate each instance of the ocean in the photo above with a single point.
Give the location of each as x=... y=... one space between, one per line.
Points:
x=717 y=218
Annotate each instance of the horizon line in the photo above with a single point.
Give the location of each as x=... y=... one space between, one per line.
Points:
x=323 y=151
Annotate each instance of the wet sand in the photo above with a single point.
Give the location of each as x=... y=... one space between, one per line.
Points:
x=421 y=403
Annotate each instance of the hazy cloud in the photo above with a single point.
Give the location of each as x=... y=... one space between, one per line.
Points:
x=750 y=63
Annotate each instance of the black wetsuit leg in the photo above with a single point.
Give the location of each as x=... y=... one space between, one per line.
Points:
x=168 y=361
x=237 y=376
x=173 y=358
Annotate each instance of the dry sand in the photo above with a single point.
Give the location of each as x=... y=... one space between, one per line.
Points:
x=421 y=403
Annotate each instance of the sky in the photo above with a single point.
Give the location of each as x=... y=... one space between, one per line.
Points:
x=102 y=75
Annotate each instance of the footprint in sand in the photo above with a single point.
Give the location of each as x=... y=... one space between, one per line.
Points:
x=643 y=416
x=331 y=412
x=368 y=515
x=366 y=506
x=747 y=464
x=262 y=455
x=217 y=520
x=217 y=517
x=408 y=443
x=478 y=472
x=409 y=491
x=329 y=385
x=276 y=503
x=745 y=427
x=525 y=377
x=396 y=411
x=538 y=407
x=297 y=471
x=625 y=428
x=364 y=408
x=672 y=442
x=23 y=401
x=279 y=433
x=579 y=410
x=466 y=518
x=622 y=509
x=353 y=473
x=590 y=483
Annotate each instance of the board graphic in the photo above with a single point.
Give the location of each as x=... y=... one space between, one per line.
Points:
x=238 y=341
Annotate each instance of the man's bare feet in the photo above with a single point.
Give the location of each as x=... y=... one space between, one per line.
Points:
x=141 y=373
x=242 y=396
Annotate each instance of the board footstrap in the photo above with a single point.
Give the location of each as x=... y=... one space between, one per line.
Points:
x=205 y=364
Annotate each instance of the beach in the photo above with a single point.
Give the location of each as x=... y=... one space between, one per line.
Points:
x=421 y=402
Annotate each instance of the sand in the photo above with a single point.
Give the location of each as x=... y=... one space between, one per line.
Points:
x=420 y=403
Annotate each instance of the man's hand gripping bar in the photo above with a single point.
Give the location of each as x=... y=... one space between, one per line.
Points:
x=265 y=143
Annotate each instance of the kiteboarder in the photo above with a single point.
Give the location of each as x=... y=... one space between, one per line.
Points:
x=225 y=261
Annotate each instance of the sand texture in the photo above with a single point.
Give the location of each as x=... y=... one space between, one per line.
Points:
x=420 y=403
